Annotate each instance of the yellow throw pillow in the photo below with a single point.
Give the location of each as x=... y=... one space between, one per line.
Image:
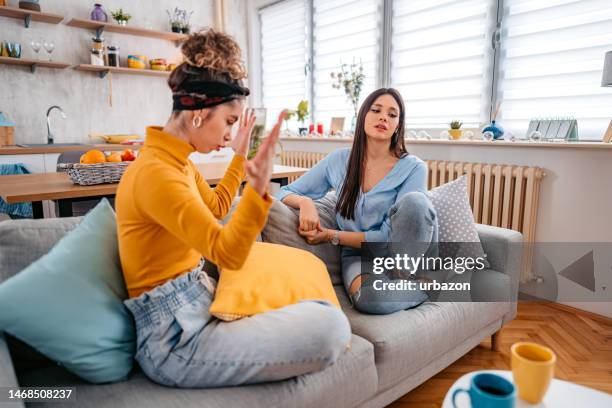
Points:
x=272 y=277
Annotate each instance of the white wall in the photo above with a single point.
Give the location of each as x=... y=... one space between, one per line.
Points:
x=137 y=101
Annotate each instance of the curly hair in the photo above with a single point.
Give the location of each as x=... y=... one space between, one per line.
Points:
x=209 y=56
x=215 y=51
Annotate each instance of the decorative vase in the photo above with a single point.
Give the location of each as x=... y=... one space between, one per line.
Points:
x=176 y=29
x=498 y=131
x=98 y=13
x=122 y=22
x=455 y=133
x=185 y=30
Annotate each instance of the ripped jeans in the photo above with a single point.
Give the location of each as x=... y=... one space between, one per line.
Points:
x=180 y=344
x=414 y=231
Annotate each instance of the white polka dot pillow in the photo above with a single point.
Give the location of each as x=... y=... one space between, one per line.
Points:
x=456 y=228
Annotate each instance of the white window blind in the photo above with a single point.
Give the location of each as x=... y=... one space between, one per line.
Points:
x=345 y=31
x=441 y=60
x=283 y=56
x=553 y=60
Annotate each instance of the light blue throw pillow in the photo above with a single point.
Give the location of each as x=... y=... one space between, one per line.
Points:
x=68 y=304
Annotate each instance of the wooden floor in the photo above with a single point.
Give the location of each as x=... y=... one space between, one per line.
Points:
x=581 y=340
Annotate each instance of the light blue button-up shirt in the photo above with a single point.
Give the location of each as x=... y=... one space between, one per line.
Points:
x=371 y=211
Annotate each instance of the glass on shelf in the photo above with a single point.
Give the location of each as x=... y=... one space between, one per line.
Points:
x=35 y=44
x=49 y=46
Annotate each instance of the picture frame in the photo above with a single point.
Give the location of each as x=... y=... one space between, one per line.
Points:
x=337 y=125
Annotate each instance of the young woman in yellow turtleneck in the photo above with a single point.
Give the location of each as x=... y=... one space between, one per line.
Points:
x=167 y=217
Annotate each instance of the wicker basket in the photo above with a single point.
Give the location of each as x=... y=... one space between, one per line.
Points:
x=90 y=174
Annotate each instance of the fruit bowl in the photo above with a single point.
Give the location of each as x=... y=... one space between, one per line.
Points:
x=91 y=174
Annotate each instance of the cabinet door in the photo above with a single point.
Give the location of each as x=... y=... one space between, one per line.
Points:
x=50 y=160
x=33 y=162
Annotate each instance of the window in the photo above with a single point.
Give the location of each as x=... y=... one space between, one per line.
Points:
x=283 y=56
x=450 y=59
x=439 y=60
x=345 y=31
x=553 y=58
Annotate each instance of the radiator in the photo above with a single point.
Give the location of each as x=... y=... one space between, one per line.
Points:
x=300 y=159
x=500 y=195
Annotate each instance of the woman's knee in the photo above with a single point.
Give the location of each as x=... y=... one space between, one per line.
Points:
x=331 y=333
x=413 y=206
x=413 y=219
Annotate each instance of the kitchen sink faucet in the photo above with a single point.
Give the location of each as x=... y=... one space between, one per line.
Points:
x=49 y=134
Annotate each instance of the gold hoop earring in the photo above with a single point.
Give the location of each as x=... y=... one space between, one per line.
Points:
x=197 y=121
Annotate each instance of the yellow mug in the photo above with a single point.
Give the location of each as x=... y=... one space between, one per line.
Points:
x=533 y=368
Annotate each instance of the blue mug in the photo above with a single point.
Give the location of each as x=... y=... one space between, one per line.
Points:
x=489 y=391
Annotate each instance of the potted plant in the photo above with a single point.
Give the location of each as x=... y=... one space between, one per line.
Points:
x=120 y=17
x=290 y=114
x=302 y=114
x=350 y=79
x=180 y=20
x=455 y=129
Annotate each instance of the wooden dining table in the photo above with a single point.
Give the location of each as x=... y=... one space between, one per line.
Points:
x=58 y=187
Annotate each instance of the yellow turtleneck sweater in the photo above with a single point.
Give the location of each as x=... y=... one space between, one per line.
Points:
x=167 y=215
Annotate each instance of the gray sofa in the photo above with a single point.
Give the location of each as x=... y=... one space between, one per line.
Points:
x=389 y=355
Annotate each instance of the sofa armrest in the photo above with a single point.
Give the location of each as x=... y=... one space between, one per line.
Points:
x=7 y=372
x=504 y=249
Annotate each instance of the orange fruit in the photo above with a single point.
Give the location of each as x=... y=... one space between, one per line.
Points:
x=93 y=157
x=115 y=158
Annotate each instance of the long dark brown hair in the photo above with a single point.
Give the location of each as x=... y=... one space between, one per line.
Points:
x=351 y=188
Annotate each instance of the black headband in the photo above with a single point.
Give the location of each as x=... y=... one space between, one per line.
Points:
x=196 y=95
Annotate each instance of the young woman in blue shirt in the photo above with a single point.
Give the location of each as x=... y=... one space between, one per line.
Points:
x=381 y=191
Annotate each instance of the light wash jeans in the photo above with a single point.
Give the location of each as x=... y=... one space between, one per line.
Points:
x=414 y=231
x=180 y=344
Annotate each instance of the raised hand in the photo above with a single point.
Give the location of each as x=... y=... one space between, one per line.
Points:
x=240 y=144
x=259 y=168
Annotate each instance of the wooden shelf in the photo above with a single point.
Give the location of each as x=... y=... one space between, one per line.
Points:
x=99 y=27
x=33 y=64
x=102 y=71
x=30 y=15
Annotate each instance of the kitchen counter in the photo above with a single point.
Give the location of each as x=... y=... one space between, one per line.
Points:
x=7 y=150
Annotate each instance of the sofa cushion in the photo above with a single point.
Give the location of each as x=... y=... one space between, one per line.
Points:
x=282 y=228
x=347 y=383
x=24 y=241
x=68 y=304
x=273 y=276
x=406 y=341
x=456 y=221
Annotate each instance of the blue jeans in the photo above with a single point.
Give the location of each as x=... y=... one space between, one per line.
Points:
x=414 y=231
x=180 y=344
